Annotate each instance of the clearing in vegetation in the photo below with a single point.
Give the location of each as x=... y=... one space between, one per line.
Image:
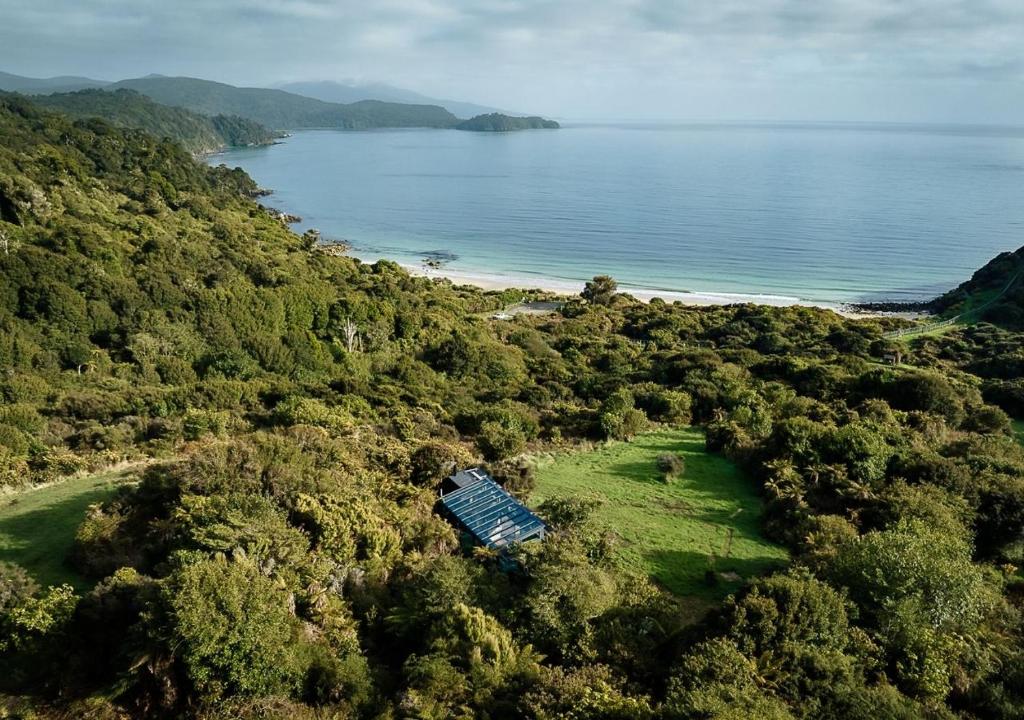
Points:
x=674 y=531
x=1018 y=430
x=38 y=526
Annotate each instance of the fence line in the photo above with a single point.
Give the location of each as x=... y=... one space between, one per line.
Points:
x=922 y=329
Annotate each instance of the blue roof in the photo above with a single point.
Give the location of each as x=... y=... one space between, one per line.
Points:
x=492 y=516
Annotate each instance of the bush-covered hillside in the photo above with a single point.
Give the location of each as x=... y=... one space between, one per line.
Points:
x=282 y=559
x=994 y=294
x=282 y=110
x=197 y=133
x=496 y=122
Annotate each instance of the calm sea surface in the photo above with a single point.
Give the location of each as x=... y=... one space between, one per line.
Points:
x=816 y=212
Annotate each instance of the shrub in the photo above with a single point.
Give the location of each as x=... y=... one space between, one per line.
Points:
x=516 y=476
x=16 y=586
x=310 y=411
x=13 y=439
x=14 y=470
x=432 y=462
x=670 y=465
x=22 y=416
x=198 y=423
x=498 y=441
x=54 y=463
x=600 y=290
x=232 y=630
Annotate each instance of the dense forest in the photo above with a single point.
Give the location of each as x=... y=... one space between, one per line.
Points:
x=496 y=122
x=282 y=110
x=199 y=134
x=292 y=412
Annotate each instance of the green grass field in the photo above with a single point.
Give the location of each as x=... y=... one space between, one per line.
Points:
x=37 y=526
x=669 y=531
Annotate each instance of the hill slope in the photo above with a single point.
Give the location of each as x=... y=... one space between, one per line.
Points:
x=995 y=293
x=197 y=133
x=284 y=560
x=44 y=86
x=335 y=92
x=496 y=122
x=281 y=110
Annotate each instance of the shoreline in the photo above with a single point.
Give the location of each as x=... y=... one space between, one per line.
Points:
x=502 y=281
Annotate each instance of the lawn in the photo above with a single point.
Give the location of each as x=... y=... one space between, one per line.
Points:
x=37 y=526
x=670 y=531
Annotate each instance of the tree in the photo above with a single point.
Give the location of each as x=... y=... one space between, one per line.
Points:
x=433 y=461
x=715 y=681
x=310 y=238
x=351 y=332
x=921 y=594
x=232 y=630
x=474 y=664
x=600 y=290
x=498 y=440
x=592 y=692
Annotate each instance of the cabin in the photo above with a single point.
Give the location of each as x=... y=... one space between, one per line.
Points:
x=480 y=507
x=894 y=358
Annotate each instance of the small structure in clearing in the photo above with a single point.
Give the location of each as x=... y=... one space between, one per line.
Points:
x=893 y=357
x=472 y=501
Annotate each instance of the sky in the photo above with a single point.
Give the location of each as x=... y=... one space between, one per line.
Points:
x=944 y=61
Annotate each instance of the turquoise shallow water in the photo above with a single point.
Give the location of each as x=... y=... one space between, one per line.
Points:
x=824 y=213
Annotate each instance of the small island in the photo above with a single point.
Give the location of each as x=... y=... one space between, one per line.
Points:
x=497 y=122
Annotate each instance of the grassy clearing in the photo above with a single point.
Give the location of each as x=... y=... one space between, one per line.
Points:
x=1018 y=430
x=37 y=526
x=669 y=531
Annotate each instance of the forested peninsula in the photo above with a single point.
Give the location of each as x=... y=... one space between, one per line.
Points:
x=199 y=134
x=263 y=429
x=496 y=122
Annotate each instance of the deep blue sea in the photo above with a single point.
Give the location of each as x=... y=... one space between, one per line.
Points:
x=824 y=213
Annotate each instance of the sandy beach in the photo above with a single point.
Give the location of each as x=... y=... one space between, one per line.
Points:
x=496 y=281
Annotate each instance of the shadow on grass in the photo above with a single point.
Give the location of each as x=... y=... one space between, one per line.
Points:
x=646 y=470
x=683 y=572
x=39 y=539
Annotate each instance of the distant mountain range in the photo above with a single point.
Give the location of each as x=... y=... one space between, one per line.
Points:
x=325 y=91
x=282 y=110
x=319 y=105
x=45 y=86
x=335 y=92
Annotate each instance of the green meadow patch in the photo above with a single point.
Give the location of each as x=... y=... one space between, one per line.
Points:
x=707 y=518
x=38 y=526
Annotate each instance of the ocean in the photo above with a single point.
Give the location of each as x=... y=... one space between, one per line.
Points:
x=823 y=213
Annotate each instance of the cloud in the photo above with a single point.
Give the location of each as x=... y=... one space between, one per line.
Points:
x=557 y=56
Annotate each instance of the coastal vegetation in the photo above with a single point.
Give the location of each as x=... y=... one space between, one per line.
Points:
x=199 y=134
x=330 y=91
x=206 y=116
x=279 y=556
x=994 y=294
x=497 y=122
x=282 y=110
